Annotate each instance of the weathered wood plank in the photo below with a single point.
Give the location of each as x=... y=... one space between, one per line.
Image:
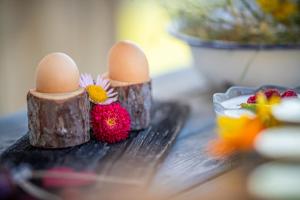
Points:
x=12 y=128
x=133 y=159
x=183 y=167
x=188 y=163
x=79 y=157
x=140 y=155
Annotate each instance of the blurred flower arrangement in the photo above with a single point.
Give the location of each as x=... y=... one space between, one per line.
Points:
x=238 y=134
x=242 y=21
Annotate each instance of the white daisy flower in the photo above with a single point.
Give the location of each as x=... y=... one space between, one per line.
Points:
x=99 y=91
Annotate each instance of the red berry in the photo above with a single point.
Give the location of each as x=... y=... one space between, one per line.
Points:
x=252 y=99
x=289 y=93
x=271 y=92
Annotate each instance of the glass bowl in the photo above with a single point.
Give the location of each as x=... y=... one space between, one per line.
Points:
x=228 y=103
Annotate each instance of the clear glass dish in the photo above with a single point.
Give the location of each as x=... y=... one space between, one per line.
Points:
x=228 y=103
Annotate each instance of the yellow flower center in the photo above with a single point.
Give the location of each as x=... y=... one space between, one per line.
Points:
x=111 y=122
x=97 y=93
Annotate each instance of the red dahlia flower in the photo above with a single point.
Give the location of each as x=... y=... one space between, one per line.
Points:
x=110 y=123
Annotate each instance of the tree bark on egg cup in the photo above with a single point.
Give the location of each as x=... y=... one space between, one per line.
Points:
x=136 y=98
x=58 y=120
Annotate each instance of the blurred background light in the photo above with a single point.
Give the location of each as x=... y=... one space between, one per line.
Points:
x=83 y=29
x=146 y=22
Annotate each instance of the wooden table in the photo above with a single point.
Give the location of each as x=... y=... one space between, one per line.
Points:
x=187 y=172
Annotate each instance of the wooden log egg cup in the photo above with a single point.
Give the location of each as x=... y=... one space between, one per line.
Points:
x=137 y=99
x=129 y=75
x=58 y=110
x=58 y=121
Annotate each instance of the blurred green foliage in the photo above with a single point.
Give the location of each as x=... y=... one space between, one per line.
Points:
x=242 y=21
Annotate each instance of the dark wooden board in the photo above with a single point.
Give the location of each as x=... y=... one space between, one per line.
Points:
x=134 y=159
x=189 y=165
x=186 y=167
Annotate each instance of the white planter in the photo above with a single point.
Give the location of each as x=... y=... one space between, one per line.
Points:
x=247 y=65
x=279 y=67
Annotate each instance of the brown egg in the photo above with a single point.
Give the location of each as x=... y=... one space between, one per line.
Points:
x=128 y=63
x=57 y=73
